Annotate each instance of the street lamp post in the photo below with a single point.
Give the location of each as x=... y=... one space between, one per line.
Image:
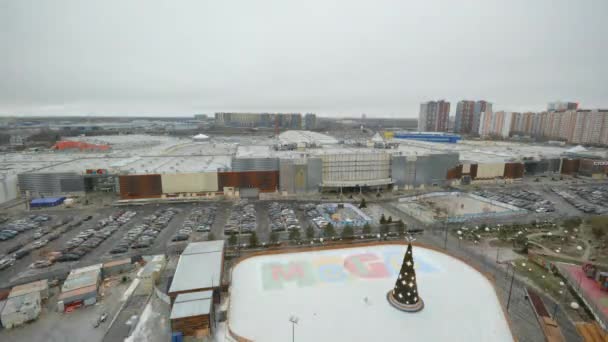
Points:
x=445 y=242
x=511 y=286
x=563 y=293
x=294 y=320
x=497 y=252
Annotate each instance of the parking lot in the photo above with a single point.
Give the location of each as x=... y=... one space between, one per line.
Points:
x=589 y=199
x=75 y=226
x=242 y=219
x=531 y=200
x=199 y=220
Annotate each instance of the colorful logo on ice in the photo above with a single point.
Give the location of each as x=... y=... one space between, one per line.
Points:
x=337 y=268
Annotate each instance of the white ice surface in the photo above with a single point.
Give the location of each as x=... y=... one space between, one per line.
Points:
x=460 y=303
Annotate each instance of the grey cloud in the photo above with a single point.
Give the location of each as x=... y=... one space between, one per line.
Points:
x=332 y=57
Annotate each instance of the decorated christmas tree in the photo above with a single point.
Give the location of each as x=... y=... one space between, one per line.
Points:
x=404 y=296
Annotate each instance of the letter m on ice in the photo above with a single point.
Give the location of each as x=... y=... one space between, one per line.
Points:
x=275 y=275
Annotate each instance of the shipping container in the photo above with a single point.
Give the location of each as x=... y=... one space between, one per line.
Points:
x=514 y=171
x=140 y=186
x=266 y=181
x=570 y=166
x=189 y=182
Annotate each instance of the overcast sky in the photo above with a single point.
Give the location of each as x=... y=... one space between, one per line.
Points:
x=331 y=57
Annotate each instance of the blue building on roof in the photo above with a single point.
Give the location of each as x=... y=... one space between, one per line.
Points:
x=429 y=136
x=46 y=202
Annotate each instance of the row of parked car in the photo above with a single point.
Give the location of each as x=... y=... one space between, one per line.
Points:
x=200 y=220
x=89 y=239
x=144 y=234
x=282 y=217
x=521 y=198
x=596 y=195
x=14 y=228
x=42 y=237
x=315 y=215
x=577 y=202
x=242 y=219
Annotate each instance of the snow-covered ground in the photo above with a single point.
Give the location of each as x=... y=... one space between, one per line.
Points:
x=326 y=291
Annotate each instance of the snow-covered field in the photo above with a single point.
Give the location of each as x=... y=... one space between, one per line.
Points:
x=327 y=291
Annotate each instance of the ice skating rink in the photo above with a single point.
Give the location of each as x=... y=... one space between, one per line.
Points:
x=340 y=295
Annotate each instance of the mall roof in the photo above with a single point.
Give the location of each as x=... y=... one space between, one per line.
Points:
x=306 y=137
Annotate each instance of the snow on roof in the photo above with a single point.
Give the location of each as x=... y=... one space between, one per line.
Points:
x=22 y=303
x=377 y=138
x=204 y=247
x=81 y=279
x=142 y=165
x=307 y=137
x=576 y=149
x=335 y=300
x=192 y=304
x=199 y=267
x=35 y=286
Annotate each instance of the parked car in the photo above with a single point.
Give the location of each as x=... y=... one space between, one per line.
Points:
x=41 y=264
x=68 y=257
x=6 y=262
x=21 y=253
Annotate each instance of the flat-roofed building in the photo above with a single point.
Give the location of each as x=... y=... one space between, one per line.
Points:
x=40 y=286
x=80 y=288
x=200 y=268
x=20 y=310
x=192 y=313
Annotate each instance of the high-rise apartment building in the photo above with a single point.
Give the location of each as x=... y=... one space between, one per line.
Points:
x=262 y=120
x=498 y=124
x=310 y=121
x=434 y=116
x=468 y=116
x=463 y=121
x=580 y=126
x=561 y=106
x=480 y=107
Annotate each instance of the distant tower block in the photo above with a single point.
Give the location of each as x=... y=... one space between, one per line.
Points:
x=404 y=296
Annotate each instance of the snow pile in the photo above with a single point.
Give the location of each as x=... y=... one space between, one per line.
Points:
x=140 y=333
x=130 y=290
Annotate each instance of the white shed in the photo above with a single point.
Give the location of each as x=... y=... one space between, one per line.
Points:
x=200 y=137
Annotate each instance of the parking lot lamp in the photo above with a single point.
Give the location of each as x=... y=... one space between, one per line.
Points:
x=294 y=320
